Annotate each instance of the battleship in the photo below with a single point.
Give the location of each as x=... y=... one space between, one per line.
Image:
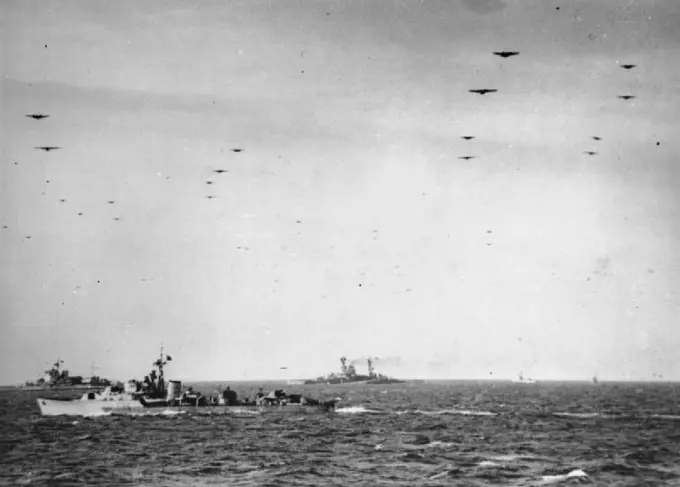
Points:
x=349 y=375
x=57 y=378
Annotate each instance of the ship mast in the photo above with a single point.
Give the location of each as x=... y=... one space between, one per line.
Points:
x=163 y=359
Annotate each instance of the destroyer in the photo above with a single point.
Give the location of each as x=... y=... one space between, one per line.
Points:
x=153 y=395
x=57 y=378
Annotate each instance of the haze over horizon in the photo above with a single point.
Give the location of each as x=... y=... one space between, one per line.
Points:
x=346 y=222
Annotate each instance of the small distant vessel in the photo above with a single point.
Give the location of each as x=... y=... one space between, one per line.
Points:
x=523 y=380
x=348 y=375
x=152 y=395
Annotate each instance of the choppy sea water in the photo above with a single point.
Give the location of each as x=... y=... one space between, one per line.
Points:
x=423 y=434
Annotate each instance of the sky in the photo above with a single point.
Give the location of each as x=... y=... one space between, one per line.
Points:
x=347 y=225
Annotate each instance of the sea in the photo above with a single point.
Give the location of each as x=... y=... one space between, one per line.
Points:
x=433 y=433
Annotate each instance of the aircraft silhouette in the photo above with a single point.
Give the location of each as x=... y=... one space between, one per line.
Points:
x=80 y=214
x=590 y=152
x=111 y=202
x=467 y=137
x=237 y=150
x=117 y=218
x=506 y=53
x=596 y=137
x=62 y=201
x=210 y=197
x=220 y=171
x=467 y=158
x=626 y=97
x=628 y=66
x=483 y=91
x=37 y=116
x=208 y=182
x=47 y=148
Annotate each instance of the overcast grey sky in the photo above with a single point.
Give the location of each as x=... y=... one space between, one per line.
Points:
x=347 y=225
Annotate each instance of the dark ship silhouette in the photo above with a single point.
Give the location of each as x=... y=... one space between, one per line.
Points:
x=58 y=378
x=348 y=374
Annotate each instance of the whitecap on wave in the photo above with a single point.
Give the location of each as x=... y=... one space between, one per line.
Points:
x=165 y=412
x=666 y=416
x=577 y=415
x=462 y=412
x=97 y=415
x=355 y=410
x=437 y=444
x=592 y=415
x=574 y=474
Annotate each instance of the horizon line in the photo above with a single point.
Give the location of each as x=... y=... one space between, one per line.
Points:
x=441 y=379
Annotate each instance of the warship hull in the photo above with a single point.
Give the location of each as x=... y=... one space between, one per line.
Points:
x=134 y=407
x=78 y=407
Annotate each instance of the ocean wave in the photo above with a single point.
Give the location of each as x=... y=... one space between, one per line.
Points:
x=445 y=441
x=442 y=474
x=98 y=415
x=574 y=474
x=461 y=412
x=356 y=410
x=511 y=458
x=439 y=444
x=674 y=417
x=596 y=415
x=577 y=415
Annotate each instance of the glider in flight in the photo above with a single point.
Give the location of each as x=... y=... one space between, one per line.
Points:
x=37 y=116
x=483 y=91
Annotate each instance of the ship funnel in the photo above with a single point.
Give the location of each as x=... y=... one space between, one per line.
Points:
x=174 y=390
x=130 y=387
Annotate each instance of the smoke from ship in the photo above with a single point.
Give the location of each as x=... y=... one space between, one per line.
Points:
x=385 y=361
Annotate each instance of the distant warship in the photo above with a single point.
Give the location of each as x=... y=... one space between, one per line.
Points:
x=348 y=374
x=58 y=378
x=523 y=380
